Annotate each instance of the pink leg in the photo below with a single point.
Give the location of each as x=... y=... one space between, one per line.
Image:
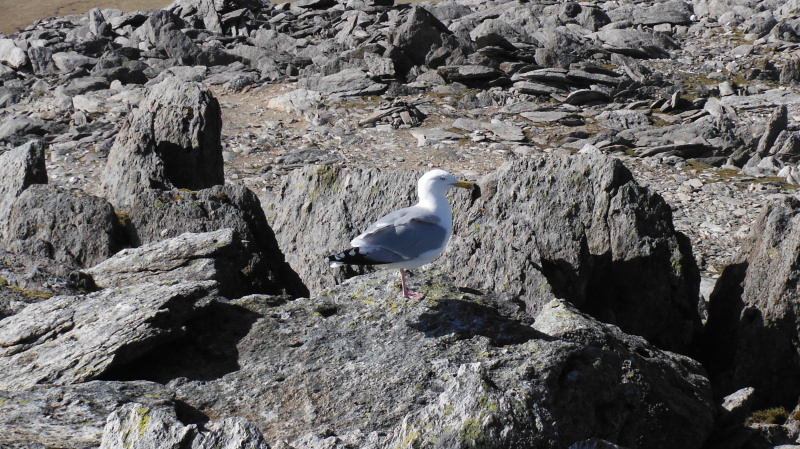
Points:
x=406 y=292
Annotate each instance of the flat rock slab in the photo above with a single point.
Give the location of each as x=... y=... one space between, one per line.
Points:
x=551 y=116
x=70 y=339
x=190 y=256
x=768 y=99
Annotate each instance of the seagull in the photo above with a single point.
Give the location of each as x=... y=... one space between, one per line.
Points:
x=410 y=237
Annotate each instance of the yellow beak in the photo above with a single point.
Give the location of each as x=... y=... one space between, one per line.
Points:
x=464 y=185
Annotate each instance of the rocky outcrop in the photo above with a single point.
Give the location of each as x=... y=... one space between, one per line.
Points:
x=19 y=168
x=73 y=229
x=172 y=140
x=167 y=147
x=70 y=339
x=160 y=214
x=752 y=322
x=217 y=256
x=516 y=348
x=579 y=228
x=457 y=368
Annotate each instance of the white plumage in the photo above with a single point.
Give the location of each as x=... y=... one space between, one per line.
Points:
x=410 y=237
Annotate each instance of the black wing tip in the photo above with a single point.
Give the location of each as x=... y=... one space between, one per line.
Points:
x=353 y=256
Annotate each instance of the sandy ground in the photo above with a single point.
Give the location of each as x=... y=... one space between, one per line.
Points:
x=19 y=14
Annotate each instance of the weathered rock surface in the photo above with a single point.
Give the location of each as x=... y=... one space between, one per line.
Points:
x=75 y=230
x=172 y=140
x=70 y=339
x=136 y=425
x=359 y=366
x=19 y=168
x=752 y=323
x=70 y=416
x=217 y=256
x=579 y=228
x=160 y=214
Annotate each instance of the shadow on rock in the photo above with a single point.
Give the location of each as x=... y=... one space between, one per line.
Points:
x=206 y=351
x=465 y=319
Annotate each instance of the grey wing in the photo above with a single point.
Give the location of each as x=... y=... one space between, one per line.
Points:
x=395 y=218
x=404 y=233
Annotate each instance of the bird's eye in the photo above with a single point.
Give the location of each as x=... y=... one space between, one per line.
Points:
x=442 y=178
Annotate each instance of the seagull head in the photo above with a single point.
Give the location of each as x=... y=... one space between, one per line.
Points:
x=438 y=182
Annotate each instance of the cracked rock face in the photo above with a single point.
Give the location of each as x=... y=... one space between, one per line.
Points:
x=357 y=365
x=71 y=339
x=752 y=322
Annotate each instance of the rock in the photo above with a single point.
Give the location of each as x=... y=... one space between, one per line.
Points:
x=565 y=118
x=751 y=326
x=417 y=36
x=156 y=215
x=136 y=425
x=214 y=256
x=736 y=407
x=71 y=416
x=675 y=12
x=321 y=208
x=230 y=433
x=414 y=374
x=300 y=101
x=70 y=339
x=790 y=72
x=75 y=230
x=586 y=96
x=503 y=131
x=17 y=129
x=69 y=61
x=347 y=83
x=778 y=121
x=314 y=4
x=172 y=140
x=531 y=88
x=19 y=169
x=595 y=443
x=623 y=119
x=97 y=23
x=204 y=11
x=11 y=55
x=760 y=24
x=635 y=43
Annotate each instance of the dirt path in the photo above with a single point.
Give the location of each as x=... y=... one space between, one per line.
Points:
x=17 y=14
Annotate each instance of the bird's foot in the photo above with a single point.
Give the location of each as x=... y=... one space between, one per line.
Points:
x=414 y=295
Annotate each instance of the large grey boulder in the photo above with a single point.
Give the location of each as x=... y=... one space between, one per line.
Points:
x=261 y=267
x=217 y=255
x=69 y=339
x=172 y=140
x=76 y=230
x=19 y=168
x=416 y=38
x=675 y=12
x=579 y=228
x=357 y=366
x=752 y=329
